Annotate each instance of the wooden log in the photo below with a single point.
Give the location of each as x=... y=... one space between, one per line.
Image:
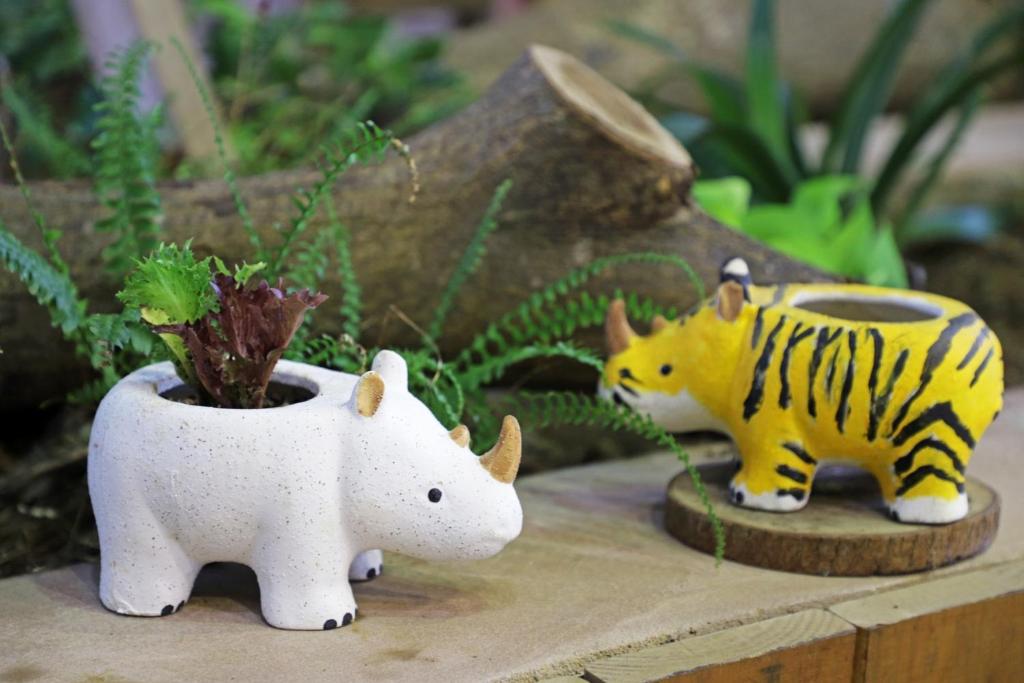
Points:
x=593 y=174
x=842 y=532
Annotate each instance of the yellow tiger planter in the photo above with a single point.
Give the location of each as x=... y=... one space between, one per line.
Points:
x=900 y=383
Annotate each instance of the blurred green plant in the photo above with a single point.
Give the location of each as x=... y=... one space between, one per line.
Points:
x=752 y=129
x=291 y=81
x=42 y=61
x=828 y=223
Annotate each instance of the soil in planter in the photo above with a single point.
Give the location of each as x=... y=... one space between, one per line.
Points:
x=989 y=278
x=278 y=395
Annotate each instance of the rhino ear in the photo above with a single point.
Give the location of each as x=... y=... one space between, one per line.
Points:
x=392 y=368
x=368 y=394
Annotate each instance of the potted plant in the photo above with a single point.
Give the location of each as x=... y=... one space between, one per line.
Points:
x=305 y=492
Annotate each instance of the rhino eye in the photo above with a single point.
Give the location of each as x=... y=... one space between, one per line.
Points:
x=434 y=495
x=666 y=369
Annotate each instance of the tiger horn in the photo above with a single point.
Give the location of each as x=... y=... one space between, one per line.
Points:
x=617 y=331
x=659 y=323
x=502 y=461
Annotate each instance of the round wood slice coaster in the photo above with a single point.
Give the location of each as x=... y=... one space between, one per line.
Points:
x=843 y=531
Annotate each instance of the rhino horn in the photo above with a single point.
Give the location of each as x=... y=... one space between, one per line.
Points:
x=460 y=435
x=617 y=331
x=659 y=323
x=502 y=461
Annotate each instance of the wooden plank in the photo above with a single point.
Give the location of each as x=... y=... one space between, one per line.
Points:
x=812 y=645
x=160 y=22
x=966 y=627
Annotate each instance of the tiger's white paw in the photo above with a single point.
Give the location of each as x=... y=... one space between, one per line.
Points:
x=782 y=500
x=929 y=509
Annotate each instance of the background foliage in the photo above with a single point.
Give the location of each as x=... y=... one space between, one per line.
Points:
x=753 y=129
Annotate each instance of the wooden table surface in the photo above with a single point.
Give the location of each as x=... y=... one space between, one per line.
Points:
x=594 y=583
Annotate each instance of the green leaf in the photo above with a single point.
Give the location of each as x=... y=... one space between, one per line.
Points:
x=170 y=287
x=868 y=90
x=766 y=114
x=246 y=270
x=958 y=82
x=726 y=200
x=747 y=155
x=723 y=94
x=469 y=261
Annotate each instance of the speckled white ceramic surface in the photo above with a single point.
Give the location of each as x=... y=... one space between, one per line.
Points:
x=304 y=494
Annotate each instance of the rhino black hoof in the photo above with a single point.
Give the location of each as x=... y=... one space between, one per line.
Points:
x=168 y=609
x=330 y=624
x=893 y=515
x=371 y=574
x=347 y=619
x=736 y=496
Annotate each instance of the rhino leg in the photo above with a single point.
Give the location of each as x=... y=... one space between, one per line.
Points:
x=143 y=571
x=302 y=586
x=367 y=565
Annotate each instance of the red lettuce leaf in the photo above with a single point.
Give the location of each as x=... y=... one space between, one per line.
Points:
x=235 y=348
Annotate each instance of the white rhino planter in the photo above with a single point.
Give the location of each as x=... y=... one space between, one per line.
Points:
x=305 y=494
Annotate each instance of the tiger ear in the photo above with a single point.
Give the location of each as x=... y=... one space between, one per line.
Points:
x=730 y=300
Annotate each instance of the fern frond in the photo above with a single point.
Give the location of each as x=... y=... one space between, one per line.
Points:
x=469 y=261
x=342 y=353
x=49 y=286
x=125 y=162
x=222 y=154
x=493 y=367
x=541 y=317
x=370 y=142
x=351 y=308
x=543 y=409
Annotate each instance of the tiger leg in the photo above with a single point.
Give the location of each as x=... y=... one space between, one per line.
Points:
x=773 y=476
x=926 y=483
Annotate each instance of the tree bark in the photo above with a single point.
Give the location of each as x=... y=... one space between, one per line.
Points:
x=593 y=174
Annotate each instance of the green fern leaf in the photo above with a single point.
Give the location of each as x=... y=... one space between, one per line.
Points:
x=470 y=260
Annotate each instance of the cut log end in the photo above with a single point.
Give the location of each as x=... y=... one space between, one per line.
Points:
x=609 y=108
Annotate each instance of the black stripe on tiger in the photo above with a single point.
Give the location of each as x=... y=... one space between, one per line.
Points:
x=876 y=362
x=755 y=397
x=940 y=412
x=881 y=402
x=798 y=450
x=918 y=475
x=934 y=357
x=795 y=492
x=795 y=337
x=830 y=373
x=844 y=397
x=820 y=344
x=905 y=462
x=975 y=347
x=982 y=366
x=790 y=473
x=755 y=338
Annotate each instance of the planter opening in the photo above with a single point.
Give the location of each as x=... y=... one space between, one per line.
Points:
x=879 y=310
x=279 y=395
